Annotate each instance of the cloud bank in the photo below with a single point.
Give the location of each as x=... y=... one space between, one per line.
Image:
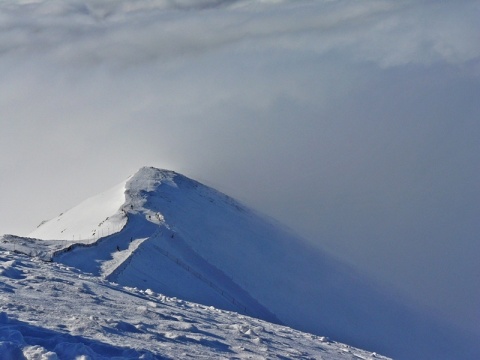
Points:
x=355 y=123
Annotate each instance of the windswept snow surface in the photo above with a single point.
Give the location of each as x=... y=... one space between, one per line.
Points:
x=49 y=311
x=186 y=240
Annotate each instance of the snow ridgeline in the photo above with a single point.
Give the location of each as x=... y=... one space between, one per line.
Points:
x=224 y=293
x=48 y=250
x=117 y=260
x=49 y=311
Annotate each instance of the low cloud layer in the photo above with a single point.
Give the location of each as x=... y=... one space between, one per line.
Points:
x=355 y=123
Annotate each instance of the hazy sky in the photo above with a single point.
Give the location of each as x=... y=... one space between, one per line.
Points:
x=355 y=123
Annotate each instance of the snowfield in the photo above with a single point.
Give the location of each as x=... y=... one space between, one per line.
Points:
x=51 y=311
x=163 y=233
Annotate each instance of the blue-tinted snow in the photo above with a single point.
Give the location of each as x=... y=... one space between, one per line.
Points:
x=49 y=311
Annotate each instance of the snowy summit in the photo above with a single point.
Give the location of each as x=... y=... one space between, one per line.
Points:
x=131 y=252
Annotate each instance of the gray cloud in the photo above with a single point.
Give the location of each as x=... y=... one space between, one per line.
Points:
x=355 y=123
x=389 y=33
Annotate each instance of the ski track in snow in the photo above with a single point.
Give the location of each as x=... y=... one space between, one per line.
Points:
x=52 y=311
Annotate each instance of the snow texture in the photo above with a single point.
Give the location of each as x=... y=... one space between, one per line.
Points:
x=50 y=311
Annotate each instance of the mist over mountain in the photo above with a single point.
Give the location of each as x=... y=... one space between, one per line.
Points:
x=162 y=231
x=355 y=123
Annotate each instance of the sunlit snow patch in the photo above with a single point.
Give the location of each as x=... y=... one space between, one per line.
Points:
x=96 y=217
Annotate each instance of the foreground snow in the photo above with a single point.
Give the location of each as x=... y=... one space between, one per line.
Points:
x=51 y=311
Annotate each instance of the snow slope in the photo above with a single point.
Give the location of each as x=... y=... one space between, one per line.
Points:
x=186 y=240
x=49 y=311
x=93 y=218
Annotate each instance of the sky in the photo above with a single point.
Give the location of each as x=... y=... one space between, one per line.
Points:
x=356 y=124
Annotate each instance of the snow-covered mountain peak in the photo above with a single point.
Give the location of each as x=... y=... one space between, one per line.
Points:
x=162 y=231
x=106 y=213
x=150 y=182
x=149 y=178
